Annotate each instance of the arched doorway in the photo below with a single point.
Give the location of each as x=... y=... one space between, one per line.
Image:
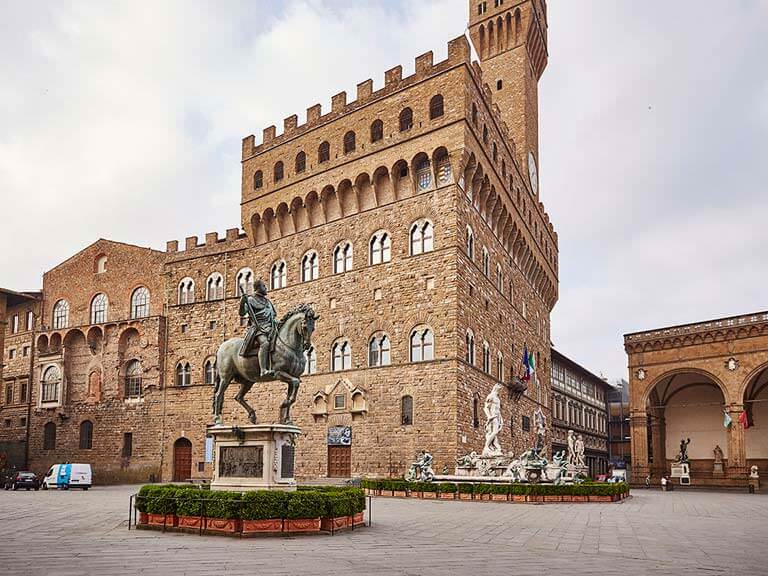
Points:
x=182 y=460
x=681 y=406
x=756 y=408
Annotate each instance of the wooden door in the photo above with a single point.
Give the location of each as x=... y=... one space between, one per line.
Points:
x=339 y=461
x=182 y=460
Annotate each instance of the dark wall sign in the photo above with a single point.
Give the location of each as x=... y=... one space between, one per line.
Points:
x=241 y=461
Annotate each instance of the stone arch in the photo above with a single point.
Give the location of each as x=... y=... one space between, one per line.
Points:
x=76 y=358
x=421 y=170
x=441 y=166
x=300 y=214
x=481 y=34
x=42 y=344
x=55 y=343
x=128 y=343
x=95 y=340
x=314 y=209
x=366 y=196
x=383 y=186
x=401 y=181
x=271 y=224
x=330 y=203
x=754 y=396
x=347 y=198
x=285 y=220
x=258 y=230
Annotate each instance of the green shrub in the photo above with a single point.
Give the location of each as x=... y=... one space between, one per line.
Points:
x=189 y=502
x=161 y=499
x=264 y=504
x=309 y=504
x=220 y=504
x=500 y=489
x=465 y=487
x=447 y=487
x=483 y=488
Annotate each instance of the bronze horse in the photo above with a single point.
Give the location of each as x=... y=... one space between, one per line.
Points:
x=293 y=338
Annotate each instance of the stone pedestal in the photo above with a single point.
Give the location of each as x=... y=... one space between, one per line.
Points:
x=717 y=469
x=253 y=457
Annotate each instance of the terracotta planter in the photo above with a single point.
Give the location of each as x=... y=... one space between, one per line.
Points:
x=359 y=519
x=143 y=518
x=465 y=496
x=224 y=526
x=499 y=497
x=303 y=525
x=518 y=497
x=270 y=526
x=595 y=498
x=338 y=523
x=386 y=493
x=194 y=522
x=576 y=498
x=552 y=498
x=567 y=498
x=169 y=520
x=414 y=494
x=535 y=499
x=447 y=496
x=429 y=495
x=399 y=493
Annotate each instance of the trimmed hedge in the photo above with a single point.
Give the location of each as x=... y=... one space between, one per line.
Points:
x=309 y=502
x=515 y=489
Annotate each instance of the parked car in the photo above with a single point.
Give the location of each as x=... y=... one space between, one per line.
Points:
x=27 y=480
x=66 y=476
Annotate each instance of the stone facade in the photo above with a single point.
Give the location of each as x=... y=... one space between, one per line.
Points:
x=687 y=382
x=579 y=404
x=450 y=246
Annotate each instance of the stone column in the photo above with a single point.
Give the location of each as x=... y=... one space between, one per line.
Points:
x=658 y=442
x=737 y=460
x=638 y=431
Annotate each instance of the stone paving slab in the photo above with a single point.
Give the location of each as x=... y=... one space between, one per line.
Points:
x=83 y=533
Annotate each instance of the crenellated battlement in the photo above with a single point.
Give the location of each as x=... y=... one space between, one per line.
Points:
x=458 y=53
x=211 y=239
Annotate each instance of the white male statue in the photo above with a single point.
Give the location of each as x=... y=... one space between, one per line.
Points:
x=571 y=448
x=493 y=422
x=579 y=445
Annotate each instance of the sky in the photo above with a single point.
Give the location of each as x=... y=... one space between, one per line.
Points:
x=124 y=120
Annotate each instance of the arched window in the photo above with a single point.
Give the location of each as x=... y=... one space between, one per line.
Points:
x=349 y=142
x=486 y=261
x=310 y=357
x=61 y=314
x=183 y=374
x=186 y=291
x=470 y=243
x=301 y=162
x=279 y=171
x=99 y=309
x=244 y=281
x=209 y=371
x=214 y=287
x=499 y=278
x=342 y=258
x=423 y=174
x=380 y=248
x=101 y=264
x=500 y=366
x=341 y=356
x=323 y=152
x=140 y=303
x=133 y=379
x=474 y=113
x=379 y=350
x=278 y=275
x=422 y=237
x=470 y=342
x=406 y=119
x=475 y=411
x=436 y=106
x=86 y=435
x=49 y=436
x=258 y=180
x=422 y=344
x=310 y=266
x=406 y=410
x=486 y=358
x=377 y=131
x=50 y=384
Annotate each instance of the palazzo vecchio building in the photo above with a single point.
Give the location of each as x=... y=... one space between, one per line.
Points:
x=409 y=216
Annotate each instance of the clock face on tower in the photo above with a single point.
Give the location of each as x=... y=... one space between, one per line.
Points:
x=532 y=174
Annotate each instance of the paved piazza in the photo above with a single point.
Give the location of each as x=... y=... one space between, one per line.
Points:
x=80 y=533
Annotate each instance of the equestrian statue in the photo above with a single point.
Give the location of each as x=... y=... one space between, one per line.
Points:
x=271 y=350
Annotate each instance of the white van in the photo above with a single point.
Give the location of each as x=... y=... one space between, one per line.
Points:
x=66 y=476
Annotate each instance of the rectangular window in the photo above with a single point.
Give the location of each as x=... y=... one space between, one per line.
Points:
x=25 y=351
x=526 y=424
x=11 y=353
x=23 y=421
x=15 y=324
x=9 y=393
x=23 y=388
x=338 y=401
x=7 y=422
x=127 y=444
x=30 y=320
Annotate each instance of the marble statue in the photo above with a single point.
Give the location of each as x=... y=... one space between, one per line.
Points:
x=493 y=422
x=292 y=337
x=682 y=456
x=540 y=422
x=579 y=447
x=467 y=461
x=718 y=452
x=421 y=469
x=753 y=472
x=571 y=448
x=514 y=470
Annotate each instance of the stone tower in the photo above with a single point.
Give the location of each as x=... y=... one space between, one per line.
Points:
x=510 y=37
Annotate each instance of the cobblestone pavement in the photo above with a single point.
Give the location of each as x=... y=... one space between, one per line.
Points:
x=75 y=532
